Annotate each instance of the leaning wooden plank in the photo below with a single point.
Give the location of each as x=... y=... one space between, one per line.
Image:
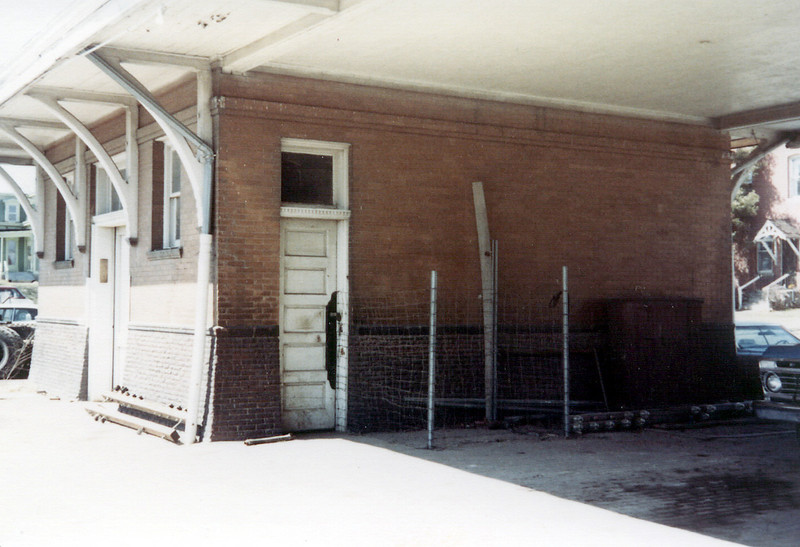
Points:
x=487 y=285
x=265 y=440
x=104 y=413
x=150 y=407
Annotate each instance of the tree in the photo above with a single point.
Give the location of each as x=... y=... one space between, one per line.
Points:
x=743 y=210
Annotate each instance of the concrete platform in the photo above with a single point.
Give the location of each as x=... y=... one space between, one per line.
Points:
x=68 y=480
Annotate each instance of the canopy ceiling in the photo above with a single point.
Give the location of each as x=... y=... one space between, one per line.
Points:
x=729 y=64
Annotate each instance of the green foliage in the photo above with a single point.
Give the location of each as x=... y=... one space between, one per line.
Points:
x=743 y=210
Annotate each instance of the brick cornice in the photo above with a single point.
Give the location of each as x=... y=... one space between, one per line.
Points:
x=550 y=137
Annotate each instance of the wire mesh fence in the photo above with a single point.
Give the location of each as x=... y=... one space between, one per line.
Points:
x=521 y=378
x=617 y=358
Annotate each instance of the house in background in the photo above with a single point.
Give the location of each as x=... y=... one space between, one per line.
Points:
x=213 y=172
x=767 y=257
x=18 y=261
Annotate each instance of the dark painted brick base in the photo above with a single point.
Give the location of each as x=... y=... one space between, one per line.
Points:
x=246 y=400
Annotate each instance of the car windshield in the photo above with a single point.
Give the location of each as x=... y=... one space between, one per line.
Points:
x=17 y=314
x=9 y=293
x=24 y=314
x=760 y=336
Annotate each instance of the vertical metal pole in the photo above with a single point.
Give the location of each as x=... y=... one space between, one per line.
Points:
x=432 y=361
x=565 y=292
x=494 y=329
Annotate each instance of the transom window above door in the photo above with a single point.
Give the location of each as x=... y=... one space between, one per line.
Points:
x=314 y=173
x=106 y=197
x=306 y=178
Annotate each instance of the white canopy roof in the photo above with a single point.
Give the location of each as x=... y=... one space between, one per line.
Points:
x=729 y=64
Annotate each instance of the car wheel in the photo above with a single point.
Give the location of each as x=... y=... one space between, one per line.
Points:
x=10 y=344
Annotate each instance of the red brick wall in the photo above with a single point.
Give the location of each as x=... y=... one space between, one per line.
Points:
x=247 y=207
x=633 y=207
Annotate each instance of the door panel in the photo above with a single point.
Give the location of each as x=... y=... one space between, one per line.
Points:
x=308 y=277
x=305 y=281
x=303 y=319
x=109 y=299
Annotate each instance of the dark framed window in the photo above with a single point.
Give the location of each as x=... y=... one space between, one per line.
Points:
x=763 y=258
x=64 y=230
x=306 y=178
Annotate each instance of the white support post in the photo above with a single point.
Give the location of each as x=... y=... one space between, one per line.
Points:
x=132 y=159
x=80 y=188
x=40 y=207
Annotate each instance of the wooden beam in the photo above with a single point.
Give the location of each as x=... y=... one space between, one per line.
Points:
x=14 y=156
x=108 y=413
x=146 y=57
x=762 y=116
x=31 y=122
x=487 y=291
x=150 y=407
x=252 y=55
x=326 y=5
x=83 y=96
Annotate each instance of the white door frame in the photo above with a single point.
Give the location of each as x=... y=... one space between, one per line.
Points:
x=342 y=219
x=109 y=288
x=340 y=213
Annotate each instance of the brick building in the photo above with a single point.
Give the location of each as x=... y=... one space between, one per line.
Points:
x=214 y=183
x=766 y=256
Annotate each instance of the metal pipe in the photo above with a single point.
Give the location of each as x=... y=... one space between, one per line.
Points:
x=432 y=361
x=565 y=326
x=199 y=340
x=203 y=263
x=494 y=328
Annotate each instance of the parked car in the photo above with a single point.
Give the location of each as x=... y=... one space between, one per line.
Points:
x=8 y=292
x=17 y=326
x=778 y=354
x=18 y=309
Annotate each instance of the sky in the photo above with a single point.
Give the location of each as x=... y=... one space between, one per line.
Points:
x=24 y=175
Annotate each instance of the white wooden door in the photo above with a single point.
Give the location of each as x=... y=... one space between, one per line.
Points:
x=101 y=312
x=109 y=290
x=308 y=278
x=122 y=284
